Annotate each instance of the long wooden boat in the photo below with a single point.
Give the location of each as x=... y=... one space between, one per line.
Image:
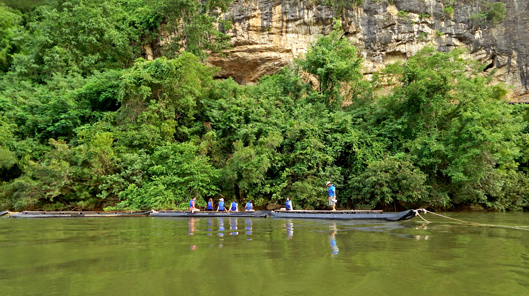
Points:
x=76 y=214
x=256 y=214
x=3 y=213
x=345 y=215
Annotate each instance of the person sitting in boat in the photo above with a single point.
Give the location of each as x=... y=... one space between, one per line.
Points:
x=210 y=205
x=192 y=205
x=249 y=206
x=220 y=207
x=289 y=206
x=234 y=206
x=332 y=195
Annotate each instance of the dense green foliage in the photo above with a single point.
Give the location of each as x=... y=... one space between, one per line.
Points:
x=489 y=13
x=85 y=123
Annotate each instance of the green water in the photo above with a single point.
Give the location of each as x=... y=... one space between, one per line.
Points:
x=238 y=256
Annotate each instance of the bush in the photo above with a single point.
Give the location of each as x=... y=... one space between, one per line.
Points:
x=496 y=12
x=449 y=10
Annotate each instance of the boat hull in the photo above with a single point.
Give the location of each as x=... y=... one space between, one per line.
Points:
x=77 y=214
x=334 y=215
x=3 y=213
x=345 y=215
x=256 y=214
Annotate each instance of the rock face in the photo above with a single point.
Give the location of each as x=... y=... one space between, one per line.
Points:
x=269 y=34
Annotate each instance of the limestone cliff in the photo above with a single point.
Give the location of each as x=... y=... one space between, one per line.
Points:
x=269 y=34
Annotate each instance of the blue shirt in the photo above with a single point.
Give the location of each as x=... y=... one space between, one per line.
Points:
x=221 y=206
x=210 y=205
x=332 y=190
x=249 y=206
x=233 y=206
x=192 y=204
x=289 y=205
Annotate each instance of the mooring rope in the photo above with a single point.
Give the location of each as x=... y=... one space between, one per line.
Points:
x=417 y=213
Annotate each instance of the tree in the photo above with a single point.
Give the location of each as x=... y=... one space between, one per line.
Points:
x=75 y=37
x=172 y=87
x=456 y=127
x=10 y=26
x=191 y=25
x=390 y=181
x=177 y=172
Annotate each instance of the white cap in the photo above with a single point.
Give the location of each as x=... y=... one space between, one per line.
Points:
x=328 y=182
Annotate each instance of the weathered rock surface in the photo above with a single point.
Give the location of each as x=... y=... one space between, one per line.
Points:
x=269 y=34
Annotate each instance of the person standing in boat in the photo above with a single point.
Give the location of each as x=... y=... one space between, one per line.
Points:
x=234 y=206
x=249 y=206
x=289 y=206
x=210 y=205
x=220 y=207
x=192 y=205
x=332 y=195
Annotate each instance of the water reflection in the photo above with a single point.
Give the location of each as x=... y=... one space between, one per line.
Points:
x=210 y=226
x=220 y=222
x=116 y=256
x=192 y=230
x=248 y=222
x=191 y=224
x=332 y=241
x=233 y=226
x=391 y=228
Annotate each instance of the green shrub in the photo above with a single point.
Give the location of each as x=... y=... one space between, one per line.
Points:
x=403 y=14
x=493 y=13
x=449 y=10
x=496 y=12
x=424 y=16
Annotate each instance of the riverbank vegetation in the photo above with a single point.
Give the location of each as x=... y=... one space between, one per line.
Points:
x=86 y=123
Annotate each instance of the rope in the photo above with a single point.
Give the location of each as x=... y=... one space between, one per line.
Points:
x=469 y=222
x=418 y=213
x=450 y=218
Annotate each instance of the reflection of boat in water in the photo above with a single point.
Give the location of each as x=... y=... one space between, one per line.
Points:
x=345 y=215
x=256 y=214
x=394 y=228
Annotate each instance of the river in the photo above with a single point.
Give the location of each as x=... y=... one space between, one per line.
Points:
x=239 y=256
